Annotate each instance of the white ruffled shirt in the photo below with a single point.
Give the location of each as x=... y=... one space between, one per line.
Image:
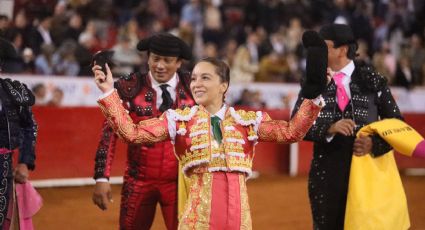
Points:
x=172 y=123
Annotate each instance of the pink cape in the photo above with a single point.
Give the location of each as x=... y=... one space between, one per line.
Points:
x=29 y=203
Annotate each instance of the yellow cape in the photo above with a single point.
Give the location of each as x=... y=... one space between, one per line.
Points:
x=376 y=198
x=183 y=192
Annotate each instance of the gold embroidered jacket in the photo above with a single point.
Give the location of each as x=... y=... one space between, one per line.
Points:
x=194 y=143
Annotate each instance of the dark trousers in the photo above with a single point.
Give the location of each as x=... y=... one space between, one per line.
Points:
x=328 y=183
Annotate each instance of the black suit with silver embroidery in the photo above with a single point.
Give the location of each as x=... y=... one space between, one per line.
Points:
x=17 y=130
x=371 y=100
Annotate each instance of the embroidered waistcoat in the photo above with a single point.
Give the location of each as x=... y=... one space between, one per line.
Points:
x=195 y=145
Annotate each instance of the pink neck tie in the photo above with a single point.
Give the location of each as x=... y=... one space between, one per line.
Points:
x=341 y=94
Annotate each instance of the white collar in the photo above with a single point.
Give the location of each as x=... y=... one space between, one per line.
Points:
x=221 y=113
x=172 y=82
x=348 y=69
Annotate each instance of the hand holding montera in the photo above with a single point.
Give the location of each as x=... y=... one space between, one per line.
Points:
x=103 y=81
x=101 y=63
x=102 y=58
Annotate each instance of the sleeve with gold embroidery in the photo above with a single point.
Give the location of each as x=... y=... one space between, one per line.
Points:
x=147 y=131
x=292 y=131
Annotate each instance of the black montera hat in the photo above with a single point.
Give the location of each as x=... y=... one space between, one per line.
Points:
x=7 y=51
x=165 y=44
x=340 y=34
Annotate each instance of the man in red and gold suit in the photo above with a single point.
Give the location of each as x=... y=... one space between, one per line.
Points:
x=152 y=169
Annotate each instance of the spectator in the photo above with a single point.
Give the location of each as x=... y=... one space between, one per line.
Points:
x=273 y=68
x=245 y=98
x=59 y=23
x=83 y=53
x=210 y=50
x=277 y=42
x=126 y=58
x=41 y=34
x=21 y=24
x=74 y=27
x=131 y=31
x=192 y=15
x=245 y=62
x=295 y=68
x=4 y=24
x=212 y=24
x=404 y=74
x=91 y=32
x=64 y=60
x=44 y=61
x=257 y=102
x=24 y=63
x=417 y=58
x=191 y=22
x=16 y=64
x=385 y=62
x=229 y=51
x=294 y=33
x=40 y=92
x=361 y=22
x=28 y=60
x=124 y=10
x=57 y=97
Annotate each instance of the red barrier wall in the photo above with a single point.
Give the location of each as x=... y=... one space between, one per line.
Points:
x=67 y=142
x=68 y=138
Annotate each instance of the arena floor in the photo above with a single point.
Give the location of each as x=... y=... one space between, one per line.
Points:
x=277 y=202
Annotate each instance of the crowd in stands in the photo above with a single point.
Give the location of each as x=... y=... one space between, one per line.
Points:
x=259 y=39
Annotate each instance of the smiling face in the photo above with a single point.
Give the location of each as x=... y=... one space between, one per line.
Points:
x=163 y=67
x=207 y=86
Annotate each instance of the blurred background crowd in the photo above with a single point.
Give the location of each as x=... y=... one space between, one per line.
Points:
x=259 y=39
